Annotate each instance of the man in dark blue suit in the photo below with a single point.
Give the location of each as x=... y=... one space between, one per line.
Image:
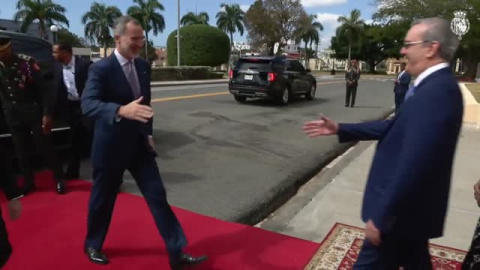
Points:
x=406 y=195
x=401 y=86
x=117 y=96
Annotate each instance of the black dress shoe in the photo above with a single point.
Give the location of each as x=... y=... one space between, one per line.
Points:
x=96 y=256
x=61 y=186
x=186 y=260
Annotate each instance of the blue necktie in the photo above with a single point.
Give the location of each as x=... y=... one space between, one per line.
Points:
x=410 y=92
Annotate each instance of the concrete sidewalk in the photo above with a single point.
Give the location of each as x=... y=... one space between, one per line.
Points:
x=335 y=195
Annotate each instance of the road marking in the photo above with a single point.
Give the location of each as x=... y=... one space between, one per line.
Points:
x=211 y=94
x=187 y=97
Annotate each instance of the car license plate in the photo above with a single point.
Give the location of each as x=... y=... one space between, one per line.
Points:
x=248 y=77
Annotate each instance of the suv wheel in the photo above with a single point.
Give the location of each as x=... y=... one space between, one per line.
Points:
x=285 y=97
x=240 y=99
x=311 y=93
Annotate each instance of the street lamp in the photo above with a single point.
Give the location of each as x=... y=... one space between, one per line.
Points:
x=54 y=30
x=178 y=35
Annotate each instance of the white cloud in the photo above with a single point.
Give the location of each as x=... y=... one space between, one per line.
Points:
x=317 y=3
x=330 y=24
x=369 y=21
x=245 y=7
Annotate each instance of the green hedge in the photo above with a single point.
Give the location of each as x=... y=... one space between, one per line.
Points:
x=201 y=45
x=184 y=73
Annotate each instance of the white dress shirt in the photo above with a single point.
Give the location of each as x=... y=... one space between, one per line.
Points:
x=69 y=80
x=428 y=72
x=124 y=64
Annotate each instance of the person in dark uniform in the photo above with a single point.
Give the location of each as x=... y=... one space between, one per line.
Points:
x=351 y=77
x=27 y=108
x=69 y=77
x=13 y=194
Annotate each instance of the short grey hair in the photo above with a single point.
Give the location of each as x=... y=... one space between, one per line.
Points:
x=439 y=30
x=120 y=24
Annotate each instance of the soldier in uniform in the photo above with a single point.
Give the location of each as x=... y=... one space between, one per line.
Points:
x=27 y=109
x=351 y=77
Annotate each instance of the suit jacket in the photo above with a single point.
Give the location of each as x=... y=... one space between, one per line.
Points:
x=115 y=143
x=60 y=89
x=352 y=75
x=403 y=83
x=409 y=181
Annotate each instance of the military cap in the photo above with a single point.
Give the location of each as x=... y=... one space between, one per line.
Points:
x=4 y=42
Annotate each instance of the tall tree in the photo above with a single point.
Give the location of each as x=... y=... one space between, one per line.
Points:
x=309 y=32
x=68 y=37
x=408 y=10
x=353 y=27
x=378 y=43
x=147 y=13
x=272 y=21
x=98 y=23
x=194 y=18
x=45 y=12
x=230 y=19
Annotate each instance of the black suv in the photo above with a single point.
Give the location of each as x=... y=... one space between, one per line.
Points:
x=41 y=50
x=276 y=77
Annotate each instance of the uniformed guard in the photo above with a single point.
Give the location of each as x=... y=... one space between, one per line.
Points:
x=27 y=109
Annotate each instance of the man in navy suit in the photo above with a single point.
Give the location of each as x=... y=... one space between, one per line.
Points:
x=406 y=195
x=117 y=96
x=69 y=77
x=401 y=86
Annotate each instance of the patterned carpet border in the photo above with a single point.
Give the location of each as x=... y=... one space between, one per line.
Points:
x=339 y=250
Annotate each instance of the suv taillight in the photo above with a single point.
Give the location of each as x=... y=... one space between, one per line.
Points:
x=271 y=76
x=230 y=74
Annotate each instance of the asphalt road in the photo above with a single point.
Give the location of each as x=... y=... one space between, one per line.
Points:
x=238 y=162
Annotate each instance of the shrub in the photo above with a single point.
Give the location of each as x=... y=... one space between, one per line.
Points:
x=201 y=45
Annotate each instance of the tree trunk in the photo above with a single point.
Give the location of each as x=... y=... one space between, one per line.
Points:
x=230 y=52
x=105 y=45
x=470 y=64
x=349 y=55
x=371 y=66
x=306 y=57
x=146 y=46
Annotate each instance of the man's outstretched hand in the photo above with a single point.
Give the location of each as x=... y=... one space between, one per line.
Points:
x=136 y=111
x=322 y=127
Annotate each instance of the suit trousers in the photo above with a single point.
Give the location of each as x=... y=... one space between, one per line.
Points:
x=80 y=137
x=395 y=251
x=399 y=98
x=106 y=185
x=5 y=246
x=21 y=140
x=350 y=95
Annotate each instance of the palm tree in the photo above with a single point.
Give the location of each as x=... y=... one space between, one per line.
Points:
x=98 y=22
x=193 y=18
x=146 y=13
x=353 y=27
x=45 y=12
x=230 y=19
x=309 y=32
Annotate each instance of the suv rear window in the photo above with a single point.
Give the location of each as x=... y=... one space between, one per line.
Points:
x=257 y=64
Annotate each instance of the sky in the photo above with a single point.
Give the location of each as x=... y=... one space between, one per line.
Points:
x=327 y=12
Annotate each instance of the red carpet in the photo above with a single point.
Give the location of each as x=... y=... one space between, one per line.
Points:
x=50 y=235
x=340 y=248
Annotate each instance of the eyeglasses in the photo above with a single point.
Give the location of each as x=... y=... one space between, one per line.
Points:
x=409 y=44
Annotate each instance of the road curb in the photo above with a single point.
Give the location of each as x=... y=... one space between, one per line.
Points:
x=289 y=187
x=181 y=83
